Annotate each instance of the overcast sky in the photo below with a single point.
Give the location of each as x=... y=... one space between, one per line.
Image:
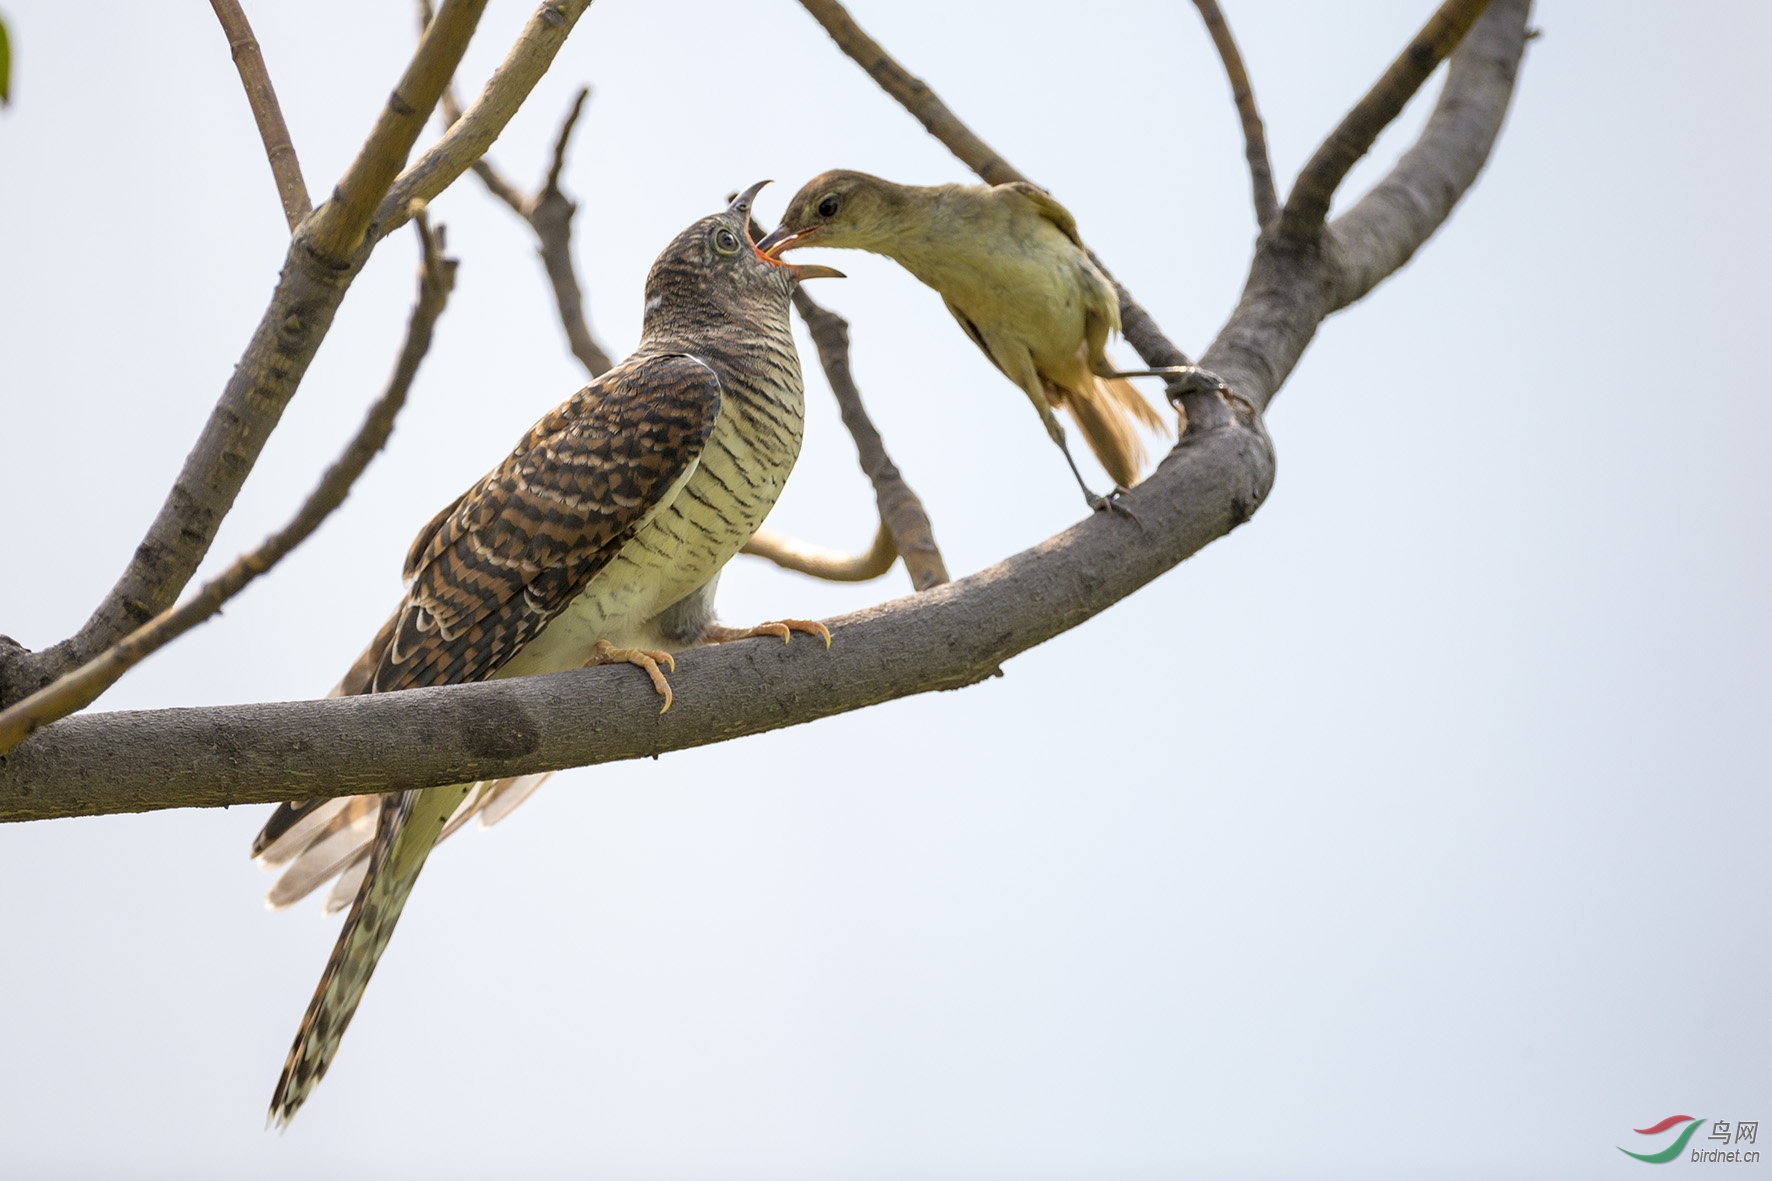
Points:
x=1418 y=828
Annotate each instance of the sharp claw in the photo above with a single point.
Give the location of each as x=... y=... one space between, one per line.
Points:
x=645 y=659
x=1115 y=505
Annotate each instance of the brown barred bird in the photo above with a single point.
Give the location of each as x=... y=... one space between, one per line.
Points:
x=598 y=540
x=1011 y=267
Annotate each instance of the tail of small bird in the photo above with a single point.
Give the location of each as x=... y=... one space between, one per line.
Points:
x=407 y=826
x=1109 y=414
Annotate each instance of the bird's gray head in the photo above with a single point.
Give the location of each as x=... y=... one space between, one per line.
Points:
x=838 y=208
x=712 y=271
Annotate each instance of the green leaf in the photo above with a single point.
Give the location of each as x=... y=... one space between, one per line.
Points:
x=5 y=66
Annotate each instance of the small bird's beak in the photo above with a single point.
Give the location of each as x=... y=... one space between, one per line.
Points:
x=779 y=239
x=810 y=270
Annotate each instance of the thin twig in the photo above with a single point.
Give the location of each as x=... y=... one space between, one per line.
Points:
x=1261 y=173
x=831 y=565
x=80 y=688
x=914 y=95
x=469 y=136
x=341 y=222
x=285 y=168
x=1308 y=204
x=549 y=213
x=900 y=511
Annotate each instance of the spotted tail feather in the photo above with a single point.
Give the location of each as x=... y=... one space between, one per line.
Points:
x=407 y=828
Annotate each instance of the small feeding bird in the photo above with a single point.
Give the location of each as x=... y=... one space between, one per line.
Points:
x=599 y=540
x=1011 y=267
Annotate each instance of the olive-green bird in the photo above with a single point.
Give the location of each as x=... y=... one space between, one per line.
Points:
x=599 y=539
x=1011 y=267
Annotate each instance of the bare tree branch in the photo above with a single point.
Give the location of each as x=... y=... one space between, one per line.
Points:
x=912 y=93
x=285 y=168
x=901 y=513
x=1261 y=173
x=1293 y=285
x=551 y=213
x=1390 y=223
x=308 y=293
x=342 y=221
x=831 y=565
x=1308 y=203
x=945 y=638
x=82 y=687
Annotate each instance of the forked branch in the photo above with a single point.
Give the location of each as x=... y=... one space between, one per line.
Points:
x=285 y=168
x=344 y=220
x=82 y=687
x=1308 y=203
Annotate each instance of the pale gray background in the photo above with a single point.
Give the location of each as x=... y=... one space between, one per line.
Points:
x=1418 y=829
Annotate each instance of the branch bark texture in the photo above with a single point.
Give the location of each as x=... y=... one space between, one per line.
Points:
x=954 y=635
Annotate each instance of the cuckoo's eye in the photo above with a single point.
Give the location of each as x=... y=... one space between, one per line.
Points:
x=725 y=241
x=829 y=206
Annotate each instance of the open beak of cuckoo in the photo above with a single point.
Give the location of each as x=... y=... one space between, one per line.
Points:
x=770 y=246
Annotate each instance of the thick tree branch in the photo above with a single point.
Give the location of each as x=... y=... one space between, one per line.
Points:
x=1385 y=227
x=1308 y=203
x=285 y=168
x=944 y=638
x=951 y=636
x=342 y=221
x=307 y=295
x=82 y=687
x=1261 y=173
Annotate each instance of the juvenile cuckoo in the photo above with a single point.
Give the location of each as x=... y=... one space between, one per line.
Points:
x=598 y=540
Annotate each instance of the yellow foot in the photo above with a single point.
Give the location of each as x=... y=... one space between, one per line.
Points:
x=645 y=658
x=785 y=628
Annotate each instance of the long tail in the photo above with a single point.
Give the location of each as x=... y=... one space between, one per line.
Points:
x=1109 y=416
x=407 y=827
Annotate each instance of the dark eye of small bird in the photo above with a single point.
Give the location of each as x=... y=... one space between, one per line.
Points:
x=725 y=241
x=829 y=206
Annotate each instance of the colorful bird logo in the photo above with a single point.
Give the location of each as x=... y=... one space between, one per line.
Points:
x=1672 y=1150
